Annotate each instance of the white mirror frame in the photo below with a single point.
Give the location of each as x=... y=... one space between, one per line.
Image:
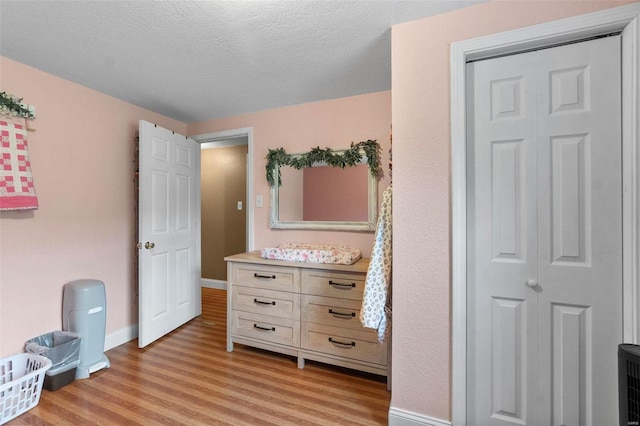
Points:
x=369 y=225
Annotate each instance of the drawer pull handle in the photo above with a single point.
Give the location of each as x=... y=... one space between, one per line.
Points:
x=341 y=285
x=342 y=314
x=264 y=303
x=264 y=328
x=271 y=277
x=336 y=342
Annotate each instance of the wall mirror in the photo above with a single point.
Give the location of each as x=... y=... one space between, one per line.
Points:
x=325 y=189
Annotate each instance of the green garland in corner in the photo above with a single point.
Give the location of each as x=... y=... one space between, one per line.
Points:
x=9 y=104
x=349 y=157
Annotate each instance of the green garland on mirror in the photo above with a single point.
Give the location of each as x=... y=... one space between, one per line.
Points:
x=349 y=157
x=12 y=105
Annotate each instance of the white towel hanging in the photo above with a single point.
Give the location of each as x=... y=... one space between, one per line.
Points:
x=376 y=302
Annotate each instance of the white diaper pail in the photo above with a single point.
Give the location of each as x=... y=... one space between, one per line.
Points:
x=84 y=311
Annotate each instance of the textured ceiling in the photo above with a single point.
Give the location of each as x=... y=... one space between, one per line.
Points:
x=196 y=60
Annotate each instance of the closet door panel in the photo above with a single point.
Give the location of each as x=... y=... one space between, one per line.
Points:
x=580 y=231
x=501 y=309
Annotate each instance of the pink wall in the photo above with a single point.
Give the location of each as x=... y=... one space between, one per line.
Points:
x=334 y=124
x=421 y=156
x=81 y=158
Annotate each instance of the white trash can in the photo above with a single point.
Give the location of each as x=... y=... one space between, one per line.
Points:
x=84 y=311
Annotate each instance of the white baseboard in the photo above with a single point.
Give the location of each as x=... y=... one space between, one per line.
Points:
x=120 y=337
x=398 y=417
x=209 y=283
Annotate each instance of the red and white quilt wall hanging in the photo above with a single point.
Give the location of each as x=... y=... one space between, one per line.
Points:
x=16 y=183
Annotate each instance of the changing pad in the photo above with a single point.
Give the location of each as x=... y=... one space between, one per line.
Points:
x=312 y=253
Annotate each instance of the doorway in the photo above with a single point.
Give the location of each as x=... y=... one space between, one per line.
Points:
x=223 y=206
x=230 y=145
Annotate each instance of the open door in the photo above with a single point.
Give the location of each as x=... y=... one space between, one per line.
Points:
x=169 y=254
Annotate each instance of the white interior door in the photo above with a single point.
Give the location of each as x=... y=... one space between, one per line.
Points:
x=169 y=259
x=545 y=237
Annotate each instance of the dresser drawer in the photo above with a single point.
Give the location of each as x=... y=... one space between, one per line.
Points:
x=343 y=342
x=267 y=277
x=332 y=311
x=267 y=328
x=333 y=284
x=268 y=302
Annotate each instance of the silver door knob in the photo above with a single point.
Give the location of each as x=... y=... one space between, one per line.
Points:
x=531 y=283
x=149 y=245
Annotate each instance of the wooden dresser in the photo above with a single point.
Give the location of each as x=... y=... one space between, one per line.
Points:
x=307 y=310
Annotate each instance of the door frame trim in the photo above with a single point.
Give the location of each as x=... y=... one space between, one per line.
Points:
x=625 y=19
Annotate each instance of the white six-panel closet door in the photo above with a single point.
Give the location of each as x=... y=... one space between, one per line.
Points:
x=545 y=253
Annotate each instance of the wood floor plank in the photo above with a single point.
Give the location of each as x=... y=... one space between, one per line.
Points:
x=188 y=378
x=235 y=402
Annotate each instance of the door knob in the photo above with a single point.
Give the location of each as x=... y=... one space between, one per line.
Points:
x=531 y=283
x=149 y=245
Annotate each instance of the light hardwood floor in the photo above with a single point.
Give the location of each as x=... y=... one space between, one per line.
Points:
x=189 y=378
